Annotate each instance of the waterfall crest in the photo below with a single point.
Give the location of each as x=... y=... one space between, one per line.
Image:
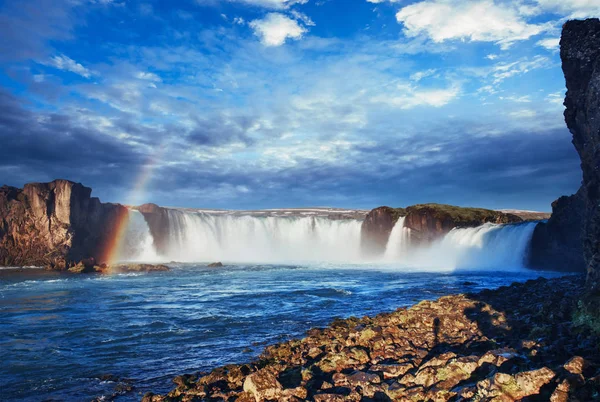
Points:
x=200 y=236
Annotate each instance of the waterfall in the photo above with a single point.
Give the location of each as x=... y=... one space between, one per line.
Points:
x=137 y=243
x=399 y=242
x=198 y=236
x=201 y=236
x=488 y=246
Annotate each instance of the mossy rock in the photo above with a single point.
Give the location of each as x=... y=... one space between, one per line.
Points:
x=462 y=216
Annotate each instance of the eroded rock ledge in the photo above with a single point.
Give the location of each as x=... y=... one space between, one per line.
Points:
x=521 y=341
x=426 y=221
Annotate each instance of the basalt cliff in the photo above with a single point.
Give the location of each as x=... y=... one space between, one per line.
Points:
x=56 y=224
x=580 y=55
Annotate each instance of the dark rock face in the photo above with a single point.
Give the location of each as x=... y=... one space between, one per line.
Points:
x=557 y=244
x=580 y=55
x=428 y=222
x=515 y=343
x=158 y=222
x=376 y=228
x=54 y=224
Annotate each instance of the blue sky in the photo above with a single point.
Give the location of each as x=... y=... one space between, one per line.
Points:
x=285 y=103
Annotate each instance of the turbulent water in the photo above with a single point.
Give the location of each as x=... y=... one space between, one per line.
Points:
x=60 y=334
x=488 y=246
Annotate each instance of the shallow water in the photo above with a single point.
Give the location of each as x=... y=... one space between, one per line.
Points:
x=59 y=333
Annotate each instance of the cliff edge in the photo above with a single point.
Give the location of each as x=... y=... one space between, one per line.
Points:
x=580 y=55
x=55 y=225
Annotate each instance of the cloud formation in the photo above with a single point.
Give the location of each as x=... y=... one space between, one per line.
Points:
x=235 y=105
x=275 y=29
x=479 y=20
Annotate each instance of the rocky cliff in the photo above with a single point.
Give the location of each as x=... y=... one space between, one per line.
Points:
x=158 y=222
x=557 y=243
x=376 y=228
x=54 y=224
x=426 y=221
x=580 y=55
x=431 y=221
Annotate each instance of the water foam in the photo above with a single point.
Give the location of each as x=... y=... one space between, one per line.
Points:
x=199 y=236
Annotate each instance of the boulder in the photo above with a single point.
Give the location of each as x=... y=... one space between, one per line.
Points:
x=263 y=385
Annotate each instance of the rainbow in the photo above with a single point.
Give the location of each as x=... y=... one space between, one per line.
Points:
x=111 y=250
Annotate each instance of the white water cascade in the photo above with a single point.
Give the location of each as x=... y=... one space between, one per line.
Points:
x=489 y=246
x=398 y=245
x=137 y=243
x=198 y=236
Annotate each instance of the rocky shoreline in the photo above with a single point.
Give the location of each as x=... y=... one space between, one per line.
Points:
x=519 y=342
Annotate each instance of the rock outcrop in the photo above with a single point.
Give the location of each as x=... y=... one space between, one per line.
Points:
x=426 y=221
x=558 y=244
x=508 y=344
x=376 y=228
x=580 y=55
x=158 y=223
x=54 y=224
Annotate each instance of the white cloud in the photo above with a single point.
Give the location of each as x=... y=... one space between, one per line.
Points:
x=419 y=75
x=481 y=20
x=549 y=43
x=276 y=28
x=491 y=56
x=410 y=96
x=306 y=20
x=524 y=113
x=65 y=63
x=272 y=4
x=502 y=71
x=517 y=99
x=572 y=8
x=142 y=75
x=556 y=98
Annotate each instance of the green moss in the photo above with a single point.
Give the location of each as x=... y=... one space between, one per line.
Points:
x=586 y=316
x=397 y=213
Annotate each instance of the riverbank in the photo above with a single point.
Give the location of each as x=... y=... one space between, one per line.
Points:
x=519 y=341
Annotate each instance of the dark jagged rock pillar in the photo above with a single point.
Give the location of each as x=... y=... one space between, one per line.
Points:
x=557 y=243
x=376 y=229
x=580 y=55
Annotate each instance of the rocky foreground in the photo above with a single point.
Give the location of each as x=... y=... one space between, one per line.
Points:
x=523 y=342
